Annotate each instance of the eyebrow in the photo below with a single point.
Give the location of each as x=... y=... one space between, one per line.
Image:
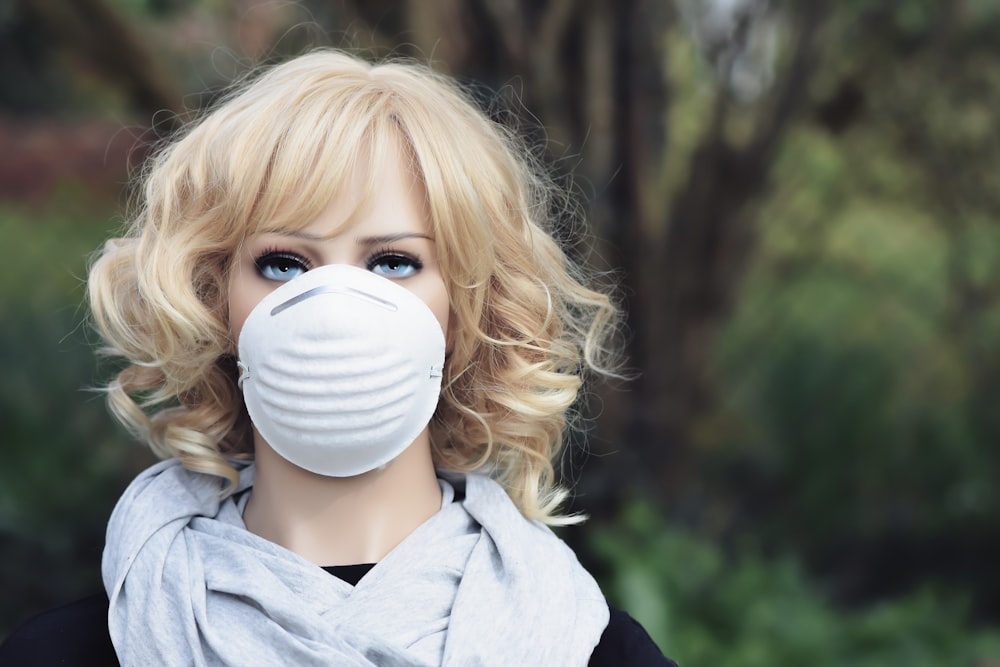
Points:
x=390 y=238
x=363 y=240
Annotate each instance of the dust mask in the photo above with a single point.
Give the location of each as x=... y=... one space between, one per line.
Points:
x=341 y=369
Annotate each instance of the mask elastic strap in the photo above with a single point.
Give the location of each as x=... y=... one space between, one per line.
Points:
x=244 y=374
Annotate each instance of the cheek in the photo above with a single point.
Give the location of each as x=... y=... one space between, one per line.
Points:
x=435 y=295
x=243 y=296
x=237 y=316
x=442 y=311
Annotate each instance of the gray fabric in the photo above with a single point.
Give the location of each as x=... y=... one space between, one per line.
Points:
x=477 y=584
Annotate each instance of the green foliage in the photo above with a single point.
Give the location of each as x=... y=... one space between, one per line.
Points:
x=64 y=461
x=854 y=386
x=704 y=608
x=846 y=368
x=856 y=378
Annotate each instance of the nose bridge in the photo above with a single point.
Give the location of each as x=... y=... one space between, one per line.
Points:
x=338 y=247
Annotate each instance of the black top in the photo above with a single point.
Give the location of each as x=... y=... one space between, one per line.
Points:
x=77 y=634
x=350 y=573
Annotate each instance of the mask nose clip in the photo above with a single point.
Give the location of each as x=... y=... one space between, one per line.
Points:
x=335 y=289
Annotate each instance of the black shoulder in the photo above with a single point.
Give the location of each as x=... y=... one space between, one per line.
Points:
x=626 y=643
x=75 y=634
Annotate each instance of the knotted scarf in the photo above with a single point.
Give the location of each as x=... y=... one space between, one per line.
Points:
x=476 y=584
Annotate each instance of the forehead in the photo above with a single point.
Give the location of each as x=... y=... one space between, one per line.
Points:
x=341 y=186
x=390 y=207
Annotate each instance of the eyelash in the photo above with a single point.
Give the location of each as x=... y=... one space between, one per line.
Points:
x=388 y=253
x=373 y=260
x=275 y=253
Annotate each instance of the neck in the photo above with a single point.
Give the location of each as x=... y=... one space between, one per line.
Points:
x=342 y=520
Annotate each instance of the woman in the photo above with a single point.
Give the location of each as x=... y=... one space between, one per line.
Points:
x=350 y=333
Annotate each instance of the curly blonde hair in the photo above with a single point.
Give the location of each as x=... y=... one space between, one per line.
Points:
x=526 y=326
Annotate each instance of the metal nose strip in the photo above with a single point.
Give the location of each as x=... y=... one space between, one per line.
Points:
x=325 y=289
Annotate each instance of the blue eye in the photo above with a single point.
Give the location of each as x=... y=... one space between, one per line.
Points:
x=394 y=265
x=281 y=266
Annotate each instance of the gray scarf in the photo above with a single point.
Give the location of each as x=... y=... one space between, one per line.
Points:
x=476 y=584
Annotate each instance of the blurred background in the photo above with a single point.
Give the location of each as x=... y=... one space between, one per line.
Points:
x=800 y=201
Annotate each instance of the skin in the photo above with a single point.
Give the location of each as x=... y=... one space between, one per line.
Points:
x=330 y=520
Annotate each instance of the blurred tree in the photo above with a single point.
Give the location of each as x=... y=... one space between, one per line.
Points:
x=862 y=363
x=97 y=36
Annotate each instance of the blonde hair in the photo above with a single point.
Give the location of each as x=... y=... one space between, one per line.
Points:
x=525 y=327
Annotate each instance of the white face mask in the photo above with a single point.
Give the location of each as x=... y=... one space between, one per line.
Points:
x=341 y=369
